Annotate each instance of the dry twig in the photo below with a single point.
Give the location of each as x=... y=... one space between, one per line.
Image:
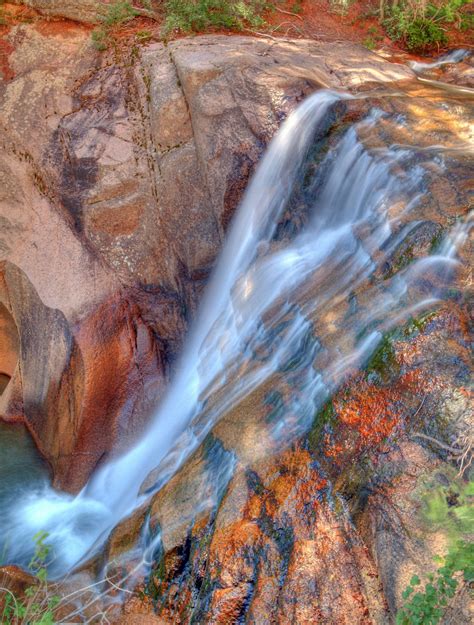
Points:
x=289 y=13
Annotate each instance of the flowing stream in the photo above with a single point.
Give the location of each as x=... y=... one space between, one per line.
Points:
x=266 y=315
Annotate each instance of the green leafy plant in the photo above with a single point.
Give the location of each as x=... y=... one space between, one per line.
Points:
x=452 y=12
x=118 y=13
x=369 y=43
x=422 y=25
x=426 y=604
x=38 y=606
x=183 y=16
x=198 y=15
x=100 y=39
x=297 y=7
x=416 y=32
x=448 y=508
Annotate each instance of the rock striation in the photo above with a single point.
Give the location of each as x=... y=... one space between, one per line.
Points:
x=119 y=176
x=119 y=179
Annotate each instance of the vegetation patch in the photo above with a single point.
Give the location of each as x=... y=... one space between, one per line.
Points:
x=383 y=362
x=117 y=14
x=199 y=15
x=447 y=506
x=325 y=417
x=421 y=26
x=418 y=324
x=38 y=605
x=180 y=16
x=415 y=24
x=436 y=242
x=427 y=603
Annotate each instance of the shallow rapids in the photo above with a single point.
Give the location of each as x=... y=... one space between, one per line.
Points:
x=264 y=317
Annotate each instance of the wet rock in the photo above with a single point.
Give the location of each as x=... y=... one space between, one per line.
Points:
x=422 y=239
x=120 y=176
x=15 y=580
x=64 y=384
x=330 y=530
x=270 y=554
x=461 y=74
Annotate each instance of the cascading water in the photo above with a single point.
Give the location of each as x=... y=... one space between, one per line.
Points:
x=258 y=320
x=452 y=57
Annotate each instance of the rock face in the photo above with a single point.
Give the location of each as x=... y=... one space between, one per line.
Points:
x=87 y=11
x=10 y=346
x=119 y=179
x=330 y=530
x=119 y=175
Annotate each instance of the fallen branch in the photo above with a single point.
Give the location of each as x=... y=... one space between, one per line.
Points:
x=288 y=13
x=256 y=32
x=463 y=455
x=453 y=450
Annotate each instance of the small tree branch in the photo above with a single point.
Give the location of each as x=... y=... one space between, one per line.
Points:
x=289 y=13
x=419 y=407
x=453 y=450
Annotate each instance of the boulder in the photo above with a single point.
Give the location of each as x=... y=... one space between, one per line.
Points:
x=87 y=11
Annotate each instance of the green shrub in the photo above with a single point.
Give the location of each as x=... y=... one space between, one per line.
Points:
x=448 y=508
x=369 y=43
x=418 y=33
x=297 y=7
x=198 y=15
x=450 y=12
x=38 y=605
x=426 y=606
x=421 y=26
x=143 y=36
x=183 y=15
x=118 y=13
x=100 y=39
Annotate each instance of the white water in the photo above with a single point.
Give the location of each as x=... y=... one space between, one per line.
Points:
x=259 y=319
x=455 y=56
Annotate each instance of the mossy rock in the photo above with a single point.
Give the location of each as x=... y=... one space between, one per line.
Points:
x=383 y=363
x=325 y=417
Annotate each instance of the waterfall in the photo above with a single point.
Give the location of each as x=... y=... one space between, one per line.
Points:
x=259 y=319
x=452 y=57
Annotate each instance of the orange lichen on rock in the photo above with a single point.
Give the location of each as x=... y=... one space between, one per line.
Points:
x=368 y=411
x=371 y=411
x=6 y=48
x=299 y=483
x=280 y=542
